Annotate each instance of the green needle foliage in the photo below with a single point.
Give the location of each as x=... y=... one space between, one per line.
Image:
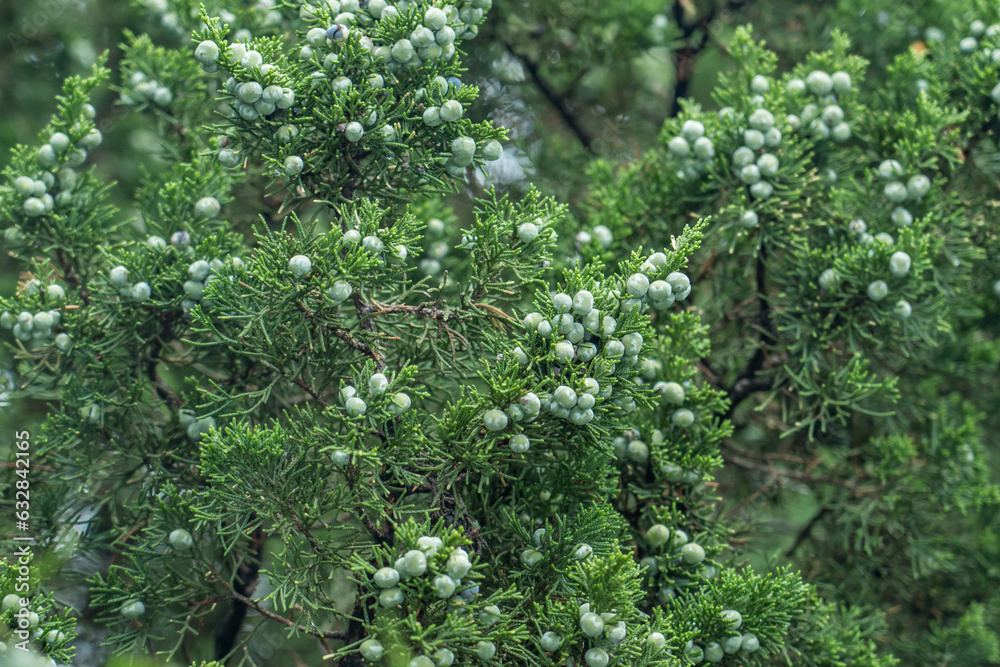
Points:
x=304 y=407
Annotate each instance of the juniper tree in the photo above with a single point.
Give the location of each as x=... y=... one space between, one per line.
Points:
x=302 y=403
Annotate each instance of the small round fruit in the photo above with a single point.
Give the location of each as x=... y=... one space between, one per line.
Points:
x=391 y=597
x=299 y=265
x=749 y=642
x=63 y=342
x=550 y=641
x=293 y=165
x=527 y=232
x=899 y=264
x=902 y=309
x=444 y=586
x=679 y=146
x=386 y=577
x=841 y=82
x=495 y=420
x=819 y=82
x=492 y=151
x=682 y=418
x=181 y=540
x=444 y=657
x=877 y=290
x=692 y=553
x=371 y=650
x=355 y=406
x=133 y=610
x=207 y=207
x=451 y=111
x=339 y=292
x=656 y=640
x=592 y=624
x=732 y=618
x=520 y=443
x=140 y=292
x=890 y=169
x=597 y=657
x=354 y=131
x=489 y=615
x=119 y=276
x=829 y=280
x=657 y=535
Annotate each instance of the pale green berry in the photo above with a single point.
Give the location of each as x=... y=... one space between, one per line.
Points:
x=10 y=601
x=531 y=557
x=492 y=151
x=495 y=420
x=181 y=540
x=918 y=186
x=692 y=553
x=657 y=535
x=400 y=403
x=565 y=396
x=386 y=577
x=819 y=82
x=768 y=164
x=829 y=279
x=520 y=443
x=899 y=264
x=340 y=291
x=463 y=148
x=432 y=116
x=586 y=351
x=732 y=644
x=749 y=219
x=901 y=217
x=749 y=642
x=895 y=191
x=637 y=451
x=682 y=418
x=530 y=403
x=47 y=156
x=550 y=641
x=761 y=120
x=592 y=624
x=743 y=156
x=753 y=139
x=435 y=18
x=691 y=130
x=140 y=292
x=527 y=232
x=354 y=131
x=732 y=618
x=632 y=343
x=840 y=132
x=451 y=111
x=597 y=657
x=583 y=551
x=207 y=207
x=59 y=142
x=444 y=586
x=377 y=384
x=373 y=244
x=198 y=270
x=293 y=165
x=458 y=564
x=759 y=84
x=890 y=169
x=750 y=174
x=370 y=649
x=679 y=146
x=585 y=401
x=444 y=657
x=617 y=632
x=133 y=610
x=486 y=650
x=391 y=597
x=489 y=615
x=841 y=82
x=772 y=137
x=902 y=309
x=420 y=661
x=355 y=406
x=637 y=285
x=714 y=652
x=657 y=641
x=299 y=265
x=672 y=392
x=877 y=290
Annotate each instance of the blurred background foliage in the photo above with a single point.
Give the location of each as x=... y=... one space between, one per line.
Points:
x=572 y=80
